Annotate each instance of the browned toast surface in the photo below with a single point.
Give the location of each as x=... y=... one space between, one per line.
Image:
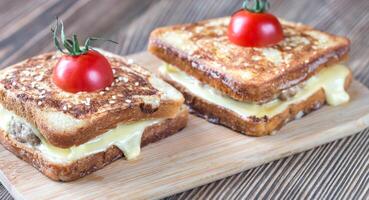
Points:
x=89 y=164
x=67 y=119
x=252 y=126
x=258 y=75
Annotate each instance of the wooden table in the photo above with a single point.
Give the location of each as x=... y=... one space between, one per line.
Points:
x=339 y=170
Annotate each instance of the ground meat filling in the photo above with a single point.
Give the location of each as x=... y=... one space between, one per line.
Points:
x=23 y=133
x=290 y=92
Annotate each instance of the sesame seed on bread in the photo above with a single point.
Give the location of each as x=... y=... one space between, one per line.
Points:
x=203 y=50
x=67 y=119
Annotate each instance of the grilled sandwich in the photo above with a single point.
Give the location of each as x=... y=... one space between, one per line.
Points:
x=253 y=90
x=66 y=135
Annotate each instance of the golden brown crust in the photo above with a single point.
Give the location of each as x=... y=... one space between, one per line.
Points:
x=222 y=69
x=254 y=93
x=31 y=82
x=87 y=165
x=129 y=99
x=94 y=127
x=251 y=126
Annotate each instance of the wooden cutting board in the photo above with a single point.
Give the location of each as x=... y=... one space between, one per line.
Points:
x=199 y=154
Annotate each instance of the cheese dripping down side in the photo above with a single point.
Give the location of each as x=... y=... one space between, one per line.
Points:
x=331 y=79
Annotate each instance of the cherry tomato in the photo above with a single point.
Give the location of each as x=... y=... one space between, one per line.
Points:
x=252 y=29
x=86 y=72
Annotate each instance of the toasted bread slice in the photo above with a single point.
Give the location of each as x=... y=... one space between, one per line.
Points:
x=84 y=166
x=66 y=119
x=246 y=74
x=263 y=124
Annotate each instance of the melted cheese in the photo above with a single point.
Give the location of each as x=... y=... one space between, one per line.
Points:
x=4 y=119
x=127 y=137
x=331 y=79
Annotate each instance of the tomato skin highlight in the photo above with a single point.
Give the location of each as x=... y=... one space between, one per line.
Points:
x=88 y=72
x=250 y=29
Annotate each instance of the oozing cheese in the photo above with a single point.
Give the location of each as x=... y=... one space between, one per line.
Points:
x=126 y=137
x=331 y=79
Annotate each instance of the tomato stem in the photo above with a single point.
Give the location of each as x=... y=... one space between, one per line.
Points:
x=256 y=6
x=72 y=46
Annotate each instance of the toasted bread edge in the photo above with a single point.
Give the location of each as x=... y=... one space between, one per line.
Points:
x=251 y=126
x=83 y=130
x=87 y=165
x=242 y=92
x=87 y=129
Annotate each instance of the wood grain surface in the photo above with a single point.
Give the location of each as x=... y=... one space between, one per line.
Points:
x=339 y=170
x=199 y=154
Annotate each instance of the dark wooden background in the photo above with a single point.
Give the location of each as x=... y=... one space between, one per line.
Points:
x=339 y=170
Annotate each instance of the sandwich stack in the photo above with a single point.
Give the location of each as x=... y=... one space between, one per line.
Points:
x=253 y=90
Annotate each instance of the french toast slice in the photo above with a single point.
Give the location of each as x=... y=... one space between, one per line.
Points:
x=66 y=119
x=257 y=75
x=73 y=170
x=259 y=120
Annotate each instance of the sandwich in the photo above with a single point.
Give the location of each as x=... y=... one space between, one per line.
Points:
x=234 y=74
x=71 y=114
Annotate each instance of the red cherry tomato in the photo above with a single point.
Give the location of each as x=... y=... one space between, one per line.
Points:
x=87 y=72
x=251 y=29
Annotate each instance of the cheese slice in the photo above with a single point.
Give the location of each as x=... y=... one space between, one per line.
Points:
x=127 y=137
x=331 y=79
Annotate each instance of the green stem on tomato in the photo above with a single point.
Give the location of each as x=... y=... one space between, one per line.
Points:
x=256 y=6
x=71 y=46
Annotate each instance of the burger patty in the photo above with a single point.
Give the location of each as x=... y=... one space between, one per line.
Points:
x=23 y=133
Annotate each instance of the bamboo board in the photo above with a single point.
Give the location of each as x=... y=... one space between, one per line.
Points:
x=199 y=154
